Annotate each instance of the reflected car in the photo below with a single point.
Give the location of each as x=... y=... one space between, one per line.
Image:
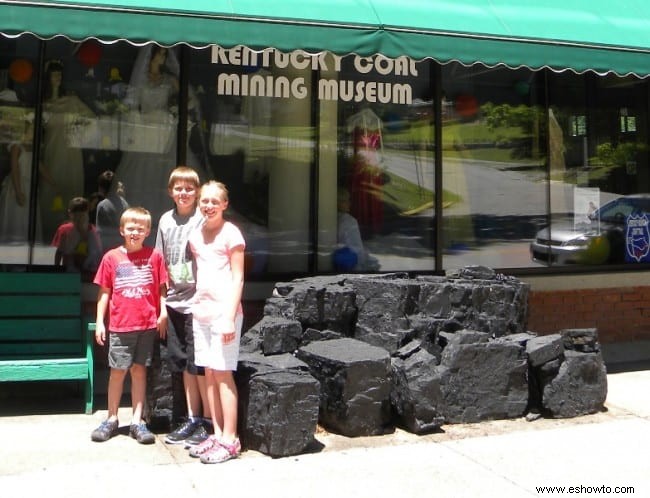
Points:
x=599 y=240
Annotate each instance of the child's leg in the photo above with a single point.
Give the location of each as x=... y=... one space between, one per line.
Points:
x=138 y=391
x=227 y=392
x=212 y=392
x=203 y=390
x=193 y=395
x=115 y=387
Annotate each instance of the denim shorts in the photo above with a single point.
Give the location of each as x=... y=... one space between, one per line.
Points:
x=128 y=348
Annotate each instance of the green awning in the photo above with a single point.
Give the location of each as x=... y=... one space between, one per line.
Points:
x=598 y=35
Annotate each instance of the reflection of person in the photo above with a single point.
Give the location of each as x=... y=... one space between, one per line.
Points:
x=149 y=152
x=173 y=231
x=591 y=209
x=62 y=175
x=556 y=144
x=104 y=183
x=367 y=177
x=349 y=237
x=109 y=210
x=14 y=208
x=78 y=248
x=132 y=280
x=218 y=248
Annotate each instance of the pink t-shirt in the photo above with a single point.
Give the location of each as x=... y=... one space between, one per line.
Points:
x=134 y=280
x=213 y=271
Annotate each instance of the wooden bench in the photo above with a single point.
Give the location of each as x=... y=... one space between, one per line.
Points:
x=43 y=335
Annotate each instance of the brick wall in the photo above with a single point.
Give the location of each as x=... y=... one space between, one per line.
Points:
x=620 y=313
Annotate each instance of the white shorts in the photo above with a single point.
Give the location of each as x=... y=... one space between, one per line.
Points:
x=210 y=351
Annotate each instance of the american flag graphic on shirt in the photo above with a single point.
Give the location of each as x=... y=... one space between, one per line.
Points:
x=130 y=275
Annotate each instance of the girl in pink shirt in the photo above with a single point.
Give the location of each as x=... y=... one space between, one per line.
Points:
x=218 y=249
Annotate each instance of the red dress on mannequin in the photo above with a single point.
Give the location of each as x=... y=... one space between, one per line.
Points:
x=366 y=180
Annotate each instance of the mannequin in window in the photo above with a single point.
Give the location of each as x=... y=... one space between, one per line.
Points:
x=367 y=178
x=149 y=138
x=14 y=195
x=10 y=96
x=62 y=175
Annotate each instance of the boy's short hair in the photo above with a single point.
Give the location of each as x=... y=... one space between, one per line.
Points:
x=137 y=215
x=184 y=174
x=78 y=205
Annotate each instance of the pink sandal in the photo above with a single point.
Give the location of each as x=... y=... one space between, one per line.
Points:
x=222 y=452
x=205 y=447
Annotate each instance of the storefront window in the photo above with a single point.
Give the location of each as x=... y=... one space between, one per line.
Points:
x=376 y=171
x=600 y=182
x=18 y=77
x=109 y=140
x=329 y=159
x=258 y=138
x=494 y=149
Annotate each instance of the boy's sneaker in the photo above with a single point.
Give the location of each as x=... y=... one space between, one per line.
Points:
x=141 y=433
x=197 y=437
x=222 y=452
x=183 y=431
x=106 y=430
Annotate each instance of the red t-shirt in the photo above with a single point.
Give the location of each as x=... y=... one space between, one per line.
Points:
x=77 y=253
x=134 y=280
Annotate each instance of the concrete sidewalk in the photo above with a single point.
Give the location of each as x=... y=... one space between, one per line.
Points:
x=52 y=455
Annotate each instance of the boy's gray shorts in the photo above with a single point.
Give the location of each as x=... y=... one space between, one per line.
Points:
x=127 y=348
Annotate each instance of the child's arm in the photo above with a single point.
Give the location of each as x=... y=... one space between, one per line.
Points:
x=102 y=306
x=237 y=270
x=15 y=174
x=162 y=317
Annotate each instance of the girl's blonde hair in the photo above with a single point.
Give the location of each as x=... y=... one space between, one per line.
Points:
x=135 y=215
x=183 y=174
x=218 y=185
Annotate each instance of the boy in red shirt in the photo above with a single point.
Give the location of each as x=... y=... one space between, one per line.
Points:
x=77 y=243
x=132 y=281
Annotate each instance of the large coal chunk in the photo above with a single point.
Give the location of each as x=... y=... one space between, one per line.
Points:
x=278 y=404
x=477 y=298
x=482 y=379
x=311 y=335
x=416 y=392
x=544 y=348
x=576 y=386
x=383 y=307
x=320 y=302
x=355 y=385
x=276 y=335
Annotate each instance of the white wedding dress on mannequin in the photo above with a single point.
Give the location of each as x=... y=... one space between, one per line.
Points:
x=148 y=135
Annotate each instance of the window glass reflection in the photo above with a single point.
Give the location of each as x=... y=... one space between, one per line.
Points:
x=494 y=148
x=18 y=78
x=376 y=204
x=599 y=193
x=258 y=138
